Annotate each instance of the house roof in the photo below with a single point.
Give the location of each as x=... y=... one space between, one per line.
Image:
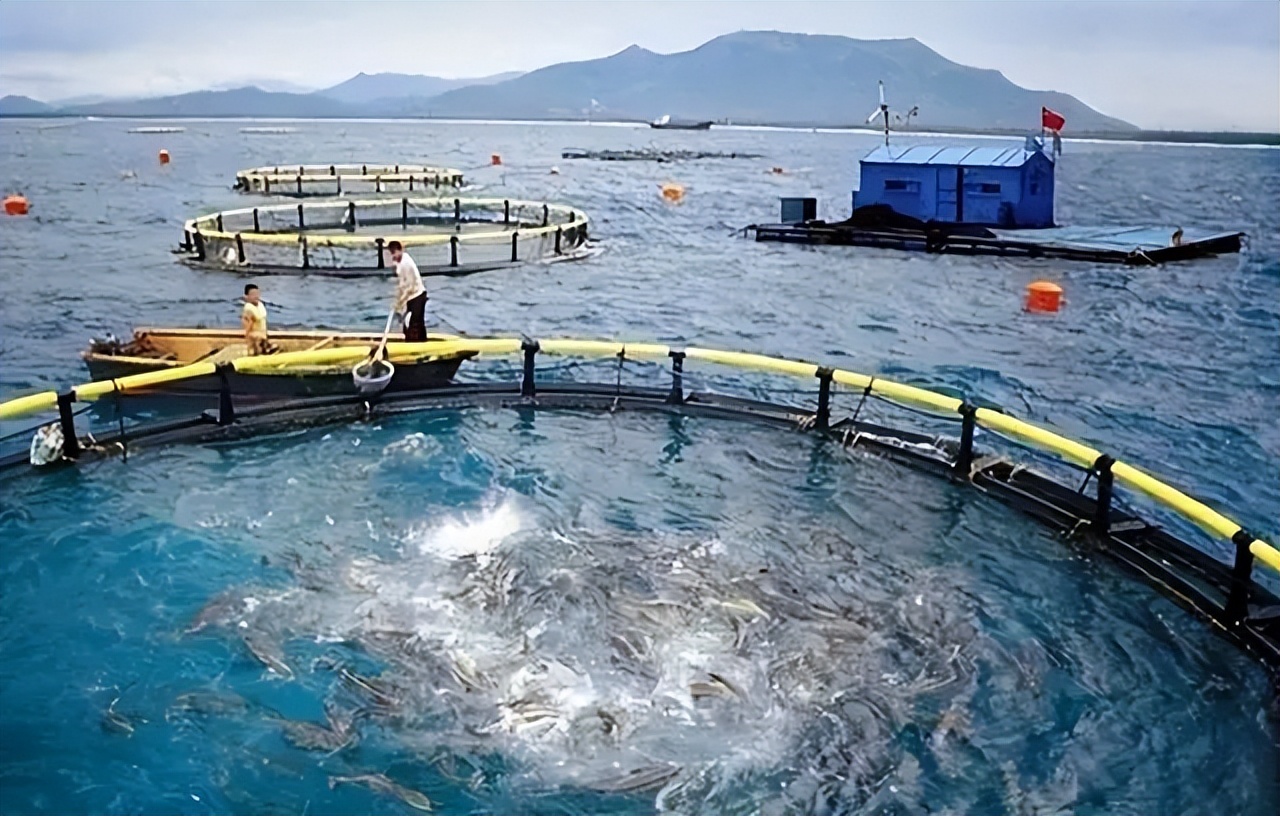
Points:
x=951 y=156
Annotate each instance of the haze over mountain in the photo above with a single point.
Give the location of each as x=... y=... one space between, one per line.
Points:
x=764 y=77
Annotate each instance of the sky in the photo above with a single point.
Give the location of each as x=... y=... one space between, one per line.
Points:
x=1182 y=65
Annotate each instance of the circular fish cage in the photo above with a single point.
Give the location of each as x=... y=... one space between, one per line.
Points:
x=302 y=180
x=445 y=236
x=1197 y=557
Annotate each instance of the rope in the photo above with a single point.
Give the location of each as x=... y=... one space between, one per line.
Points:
x=866 y=392
x=124 y=441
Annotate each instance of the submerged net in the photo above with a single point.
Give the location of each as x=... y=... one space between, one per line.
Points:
x=302 y=180
x=446 y=235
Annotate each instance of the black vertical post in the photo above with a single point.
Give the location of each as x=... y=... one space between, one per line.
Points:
x=1241 y=578
x=397 y=170
x=226 y=409
x=453 y=250
x=333 y=171
x=377 y=184
x=218 y=221
x=306 y=255
x=239 y=248
x=266 y=184
x=964 y=457
x=546 y=215
x=457 y=210
x=527 y=387
x=70 y=442
x=559 y=232
x=199 y=245
x=411 y=182
x=301 y=223
x=676 y=397
x=573 y=216
x=351 y=214
x=364 y=169
x=188 y=245
x=506 y=211
x=822 y=421
x=257 y=227
x=515 y=252
x=339 y=179
x=404 y=213
x=382 y=262
x=1106 y=481
x=299 y=185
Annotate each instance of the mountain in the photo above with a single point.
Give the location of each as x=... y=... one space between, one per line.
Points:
x=364 y=88
x=237 y=102
x=760 y=77
x=22 y=106
x=775 y=77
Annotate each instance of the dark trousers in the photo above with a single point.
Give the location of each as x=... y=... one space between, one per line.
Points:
x=415 y=327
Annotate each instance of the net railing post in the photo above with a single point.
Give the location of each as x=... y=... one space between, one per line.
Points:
x=377 y=184
x=1241 y=579
x=333 y=171
x=299 y=185
x=199 y=245
x=404 y=213
x=559 y=233
x=1106 y=489
x=226 y=408
x=239 y=248
x=378 y=243
x=961 y=468
x=515 y=247
x=453 y=250
x=306 y=253
x=822 y=420
x=676 y=397
x=528 y=388
x=218 y=221
x=187 y=245
x=351 y=214
x=506 y=211
x=411 y=182
x=301 y=223
x=457 y=209
x=546 y=215
x=67 y=419
x=257 y=225
x=266 y=184
x=364 y=169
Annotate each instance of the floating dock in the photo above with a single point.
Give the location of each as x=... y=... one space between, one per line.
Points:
x=1133 y=246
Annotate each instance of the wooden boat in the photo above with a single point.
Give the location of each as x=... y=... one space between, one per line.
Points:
x=156 y=349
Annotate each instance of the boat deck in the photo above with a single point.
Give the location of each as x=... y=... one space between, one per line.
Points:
x=1134 y=246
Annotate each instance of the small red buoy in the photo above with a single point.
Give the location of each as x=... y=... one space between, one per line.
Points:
x=1043 y=296
x=164 y=156
x=777 y=171
x=495 y=159
x=15 y=205
x=672 y=192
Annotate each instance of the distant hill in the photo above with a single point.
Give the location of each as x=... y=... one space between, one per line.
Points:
x=773 y=77
x=751 y=77
x=365 y=88
x=236 y=102
x=22 y=106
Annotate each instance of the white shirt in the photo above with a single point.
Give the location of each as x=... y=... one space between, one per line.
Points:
x=408 y=281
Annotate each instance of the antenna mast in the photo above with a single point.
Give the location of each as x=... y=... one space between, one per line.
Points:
x=882 y=111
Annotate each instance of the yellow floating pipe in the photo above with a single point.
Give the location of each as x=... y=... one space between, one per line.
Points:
x=29 y=404
x=757 y=362
x=603 y=348
x=850 y=378
x=1037 y=437
x=1265 y=553
x=1196 y=511
x=913 y=395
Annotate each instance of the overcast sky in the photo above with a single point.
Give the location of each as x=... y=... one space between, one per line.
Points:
x=1191 y=65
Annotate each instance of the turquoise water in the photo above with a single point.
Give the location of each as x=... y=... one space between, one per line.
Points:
x=539 y=591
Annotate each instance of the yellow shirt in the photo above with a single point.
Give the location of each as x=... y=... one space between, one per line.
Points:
x=256 y=316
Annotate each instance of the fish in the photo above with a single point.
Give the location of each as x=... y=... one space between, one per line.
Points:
x=637 y=779
x=745 y=607
x=379 y=692
x=381 y=783
x=219 y=610
x=207 y=702
x=268 y=655
x=312 y=737
x=115 y=722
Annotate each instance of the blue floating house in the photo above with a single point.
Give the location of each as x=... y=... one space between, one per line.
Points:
x=1008 y=187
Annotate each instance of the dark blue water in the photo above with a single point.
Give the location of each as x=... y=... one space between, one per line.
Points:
x=975 y=664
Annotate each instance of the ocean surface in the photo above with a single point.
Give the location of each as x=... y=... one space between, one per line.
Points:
x=577 y=612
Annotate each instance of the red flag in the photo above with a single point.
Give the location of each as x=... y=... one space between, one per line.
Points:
x=1051 y=120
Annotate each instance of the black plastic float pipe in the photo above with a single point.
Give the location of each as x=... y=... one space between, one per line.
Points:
x=676 y=397
x=1241 y=579
x=67 y=419
x=527 y=387
x=964 y=457
x=822 y=420
x=1106 y=484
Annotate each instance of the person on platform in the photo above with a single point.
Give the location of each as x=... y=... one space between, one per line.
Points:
x=411 y=295
x=253 y=318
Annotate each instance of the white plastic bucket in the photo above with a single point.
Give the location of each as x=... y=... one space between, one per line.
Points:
x=372 y=376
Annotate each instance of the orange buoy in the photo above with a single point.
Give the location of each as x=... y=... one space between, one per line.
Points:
x=15 y=205
x=164 y=156
x=495 y=159
x=777 y=171
x=672 y=192
x=1043 y=296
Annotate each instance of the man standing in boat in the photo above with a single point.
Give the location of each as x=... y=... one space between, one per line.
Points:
x=411 y=295
x=253 y=318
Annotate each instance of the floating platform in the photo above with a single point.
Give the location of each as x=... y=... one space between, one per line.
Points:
x=651 y=154
x=1133 y=246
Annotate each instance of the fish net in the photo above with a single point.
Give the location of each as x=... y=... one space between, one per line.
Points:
x=444 y=235
x=302 y=180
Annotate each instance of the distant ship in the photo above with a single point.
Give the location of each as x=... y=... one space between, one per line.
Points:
x=665 y=123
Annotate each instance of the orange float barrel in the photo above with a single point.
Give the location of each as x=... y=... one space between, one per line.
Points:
x=672 y=192
x=495 y=159
x=15 y=205
x=1044 y=296
x=164 y=156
